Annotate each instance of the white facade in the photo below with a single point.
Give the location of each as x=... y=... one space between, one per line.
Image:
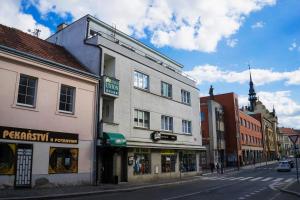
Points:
x=121 y=56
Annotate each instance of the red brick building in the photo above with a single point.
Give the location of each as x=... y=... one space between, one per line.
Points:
x=251 y=138
x=229 y=102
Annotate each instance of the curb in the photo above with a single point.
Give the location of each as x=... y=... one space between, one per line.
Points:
x=289 y=191
x=97 y=192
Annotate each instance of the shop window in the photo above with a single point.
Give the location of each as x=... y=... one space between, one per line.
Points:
x=168 y=163
x=66 y=101
x=142 y=164
x=188 y=163
x=7 y=158
x=63 y=160
x=27 y=90
x=166 y=89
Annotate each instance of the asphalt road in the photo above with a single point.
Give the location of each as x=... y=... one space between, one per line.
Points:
x=252 y=184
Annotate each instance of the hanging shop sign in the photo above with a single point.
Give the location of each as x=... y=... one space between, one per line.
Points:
x=11 y=133
x=111 y=86
x=156 y=136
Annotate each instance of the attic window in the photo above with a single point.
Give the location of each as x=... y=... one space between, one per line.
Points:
x=92 y=32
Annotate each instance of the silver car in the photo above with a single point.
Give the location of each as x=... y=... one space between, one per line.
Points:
x=283 y=166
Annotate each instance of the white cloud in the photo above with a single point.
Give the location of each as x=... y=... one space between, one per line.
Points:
x=211 y=73
x=293 y=46
x=232 y=42
x=288 y=111
x=259 y=24
x=191 y=25
x=11 y=15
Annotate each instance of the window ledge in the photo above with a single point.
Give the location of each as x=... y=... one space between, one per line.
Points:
x=186 y=134
x=25 y=107
x=144 y=90
x=111 y=123
x=65 y=114
x=142 y=128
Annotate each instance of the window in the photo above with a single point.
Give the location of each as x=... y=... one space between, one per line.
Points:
x=141 y=80
x=166 y=89
x=63 y=160
x=141 y=118
x=27 y=90
x=202 y=116
x=166 y=123
x=185 y=97
x=7 y=158
x=142 y=164
x=186 y=126
x=188 y=162
x=66 y=101
x=168 y=163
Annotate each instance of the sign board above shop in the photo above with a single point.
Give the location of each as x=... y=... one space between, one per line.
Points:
x=110 y=86
x=156 y=136
x=11 y=133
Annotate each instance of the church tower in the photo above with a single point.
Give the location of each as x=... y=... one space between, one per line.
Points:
x=252 y=94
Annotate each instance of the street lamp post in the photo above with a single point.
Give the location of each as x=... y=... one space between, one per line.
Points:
x=294 y=139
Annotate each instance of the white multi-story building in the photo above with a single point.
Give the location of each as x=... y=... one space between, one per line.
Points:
x=149 y=123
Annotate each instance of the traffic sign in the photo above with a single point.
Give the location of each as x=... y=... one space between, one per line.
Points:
x=294 y=138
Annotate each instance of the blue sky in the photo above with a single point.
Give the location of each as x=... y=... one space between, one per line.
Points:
x=215 y=40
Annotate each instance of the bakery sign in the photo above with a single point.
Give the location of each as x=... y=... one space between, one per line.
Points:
x=156 y=136
x=11 y=133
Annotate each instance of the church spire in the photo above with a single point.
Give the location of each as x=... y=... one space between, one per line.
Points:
x=252 y=94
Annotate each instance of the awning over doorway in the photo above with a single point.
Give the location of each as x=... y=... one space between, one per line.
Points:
x=114 y=139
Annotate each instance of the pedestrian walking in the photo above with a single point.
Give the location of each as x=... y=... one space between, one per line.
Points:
x=218 y=167
x=212 y=167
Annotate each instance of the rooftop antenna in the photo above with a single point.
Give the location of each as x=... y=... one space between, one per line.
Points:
x=35 y=32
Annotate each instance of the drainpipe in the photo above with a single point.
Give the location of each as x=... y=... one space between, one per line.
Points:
x=98 y=117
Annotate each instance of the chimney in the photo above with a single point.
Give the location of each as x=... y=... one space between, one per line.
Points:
x=61 y=27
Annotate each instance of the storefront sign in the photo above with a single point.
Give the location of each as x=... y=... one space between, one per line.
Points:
x=168 y=152
x=156 y=136
x=10 y=133
x=111 y=86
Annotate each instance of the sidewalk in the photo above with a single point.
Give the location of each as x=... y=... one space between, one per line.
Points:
x=293 y=189
x=72 y=191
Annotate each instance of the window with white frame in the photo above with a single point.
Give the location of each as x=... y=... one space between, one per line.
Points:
x=141 y=118
x=27 y=90
x=185 y=97
x=66 y=100
x=166 y=89
x=141 y=80
x=166 y=123
x=186 y=126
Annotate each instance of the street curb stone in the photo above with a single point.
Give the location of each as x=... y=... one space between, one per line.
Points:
x=290 y=192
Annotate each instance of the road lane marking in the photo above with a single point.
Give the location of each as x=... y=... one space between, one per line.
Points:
x=243 y=179
x=289 y=180
x=267 y=179
x=255 y=179
x=278 y=179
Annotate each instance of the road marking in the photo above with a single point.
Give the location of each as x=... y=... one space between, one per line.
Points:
x=289 y=180
x=255 y=179
x=267 y=179
x=243 y=179
x=233 y=178
x=242 y=198
x=278 y=179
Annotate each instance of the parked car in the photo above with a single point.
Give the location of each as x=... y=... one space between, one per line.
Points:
x=284 y=166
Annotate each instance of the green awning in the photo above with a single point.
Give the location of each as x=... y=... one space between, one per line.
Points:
x=114 y=139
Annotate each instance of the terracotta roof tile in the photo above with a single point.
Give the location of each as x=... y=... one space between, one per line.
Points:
x=18 y=40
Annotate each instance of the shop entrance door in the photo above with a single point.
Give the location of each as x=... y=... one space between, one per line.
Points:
x=23 y=165
x=107 y=166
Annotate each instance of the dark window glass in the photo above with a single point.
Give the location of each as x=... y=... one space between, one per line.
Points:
x=188 y=163
x=7 y=158
x=27 y=90
x=168 y=163
x=66 y=98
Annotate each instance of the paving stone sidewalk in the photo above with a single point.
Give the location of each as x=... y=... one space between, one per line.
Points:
x=293 y=189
